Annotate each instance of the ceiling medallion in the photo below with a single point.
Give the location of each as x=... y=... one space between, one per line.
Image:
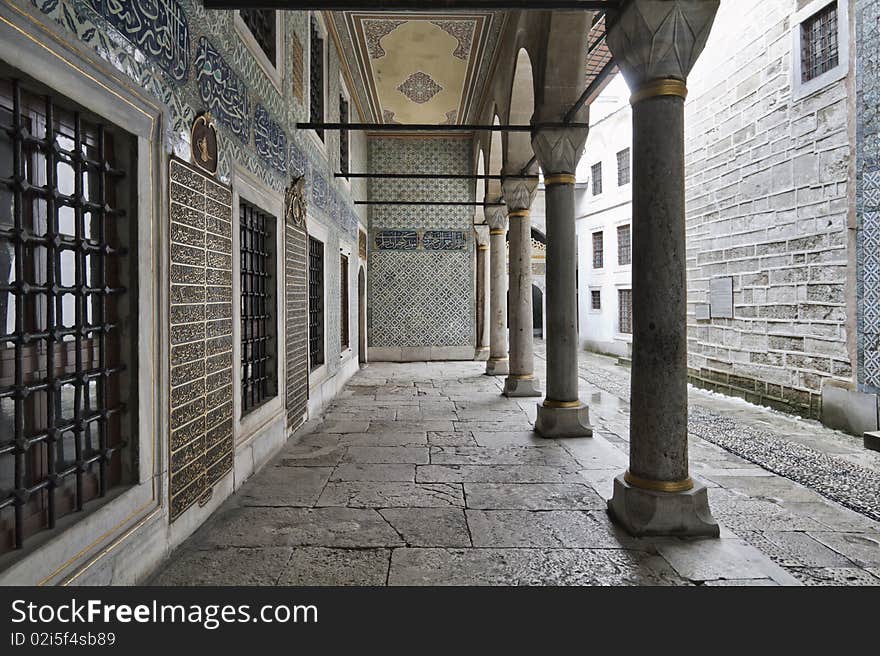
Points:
x=420 y=87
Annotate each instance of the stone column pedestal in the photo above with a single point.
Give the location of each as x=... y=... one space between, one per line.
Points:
x=656 y=45
x=498 y=363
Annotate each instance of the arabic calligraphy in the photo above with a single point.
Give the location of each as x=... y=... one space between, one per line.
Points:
x=397 y=240
x=158 y=27
x=224 y=93
x=444 y=240
x=270 y=140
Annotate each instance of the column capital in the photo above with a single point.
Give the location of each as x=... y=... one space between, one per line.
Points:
x=659 y=39
x=496 y=217
x=518 y=193
x=559 y=149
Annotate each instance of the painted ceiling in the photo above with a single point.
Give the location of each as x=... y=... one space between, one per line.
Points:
x=417 y=67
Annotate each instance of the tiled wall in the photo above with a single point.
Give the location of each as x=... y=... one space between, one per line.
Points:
x=867 y=22
x=421 y=296
x=296 y=309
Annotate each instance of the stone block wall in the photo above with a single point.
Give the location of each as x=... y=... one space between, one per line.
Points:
x=767 y=203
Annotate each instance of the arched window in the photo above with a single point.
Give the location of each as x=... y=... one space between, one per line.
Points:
x=316 y=75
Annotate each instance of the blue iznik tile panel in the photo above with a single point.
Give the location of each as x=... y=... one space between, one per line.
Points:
x=421 y=261
x=868 y=191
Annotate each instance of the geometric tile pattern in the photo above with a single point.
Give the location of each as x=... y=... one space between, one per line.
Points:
x=420 y=298
x=201 y=443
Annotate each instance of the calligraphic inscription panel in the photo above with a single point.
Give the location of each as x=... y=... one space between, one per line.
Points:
x=201 y=439
x=222 y=91
x=397 y=240
x=444 y=240
x=270 y=140
x=158 y=27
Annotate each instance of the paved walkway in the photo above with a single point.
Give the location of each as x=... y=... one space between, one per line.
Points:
x=424 y=474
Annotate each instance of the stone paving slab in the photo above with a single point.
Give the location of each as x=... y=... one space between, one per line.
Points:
x=424 y=474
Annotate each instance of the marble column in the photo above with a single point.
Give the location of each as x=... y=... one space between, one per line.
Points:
x=498 y=363
x=481 y=233
x=656 y=44
x=521 y=381
x=562 y=414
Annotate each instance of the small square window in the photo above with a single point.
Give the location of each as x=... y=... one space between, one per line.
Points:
x=819 y=46
x=623 y=167
x=598 y=250
x=597 y=178
x=596 y=299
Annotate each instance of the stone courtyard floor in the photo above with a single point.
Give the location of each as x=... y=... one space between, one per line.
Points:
x=423 y=474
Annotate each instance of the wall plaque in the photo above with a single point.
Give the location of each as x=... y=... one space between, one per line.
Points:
x=721 y=298
x=444 y=240
x=397 y=240
x=203 y=141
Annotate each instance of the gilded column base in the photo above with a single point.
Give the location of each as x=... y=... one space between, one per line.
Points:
x=517 y=386
x=650 y=512
x=497 y=367
x=557 y=419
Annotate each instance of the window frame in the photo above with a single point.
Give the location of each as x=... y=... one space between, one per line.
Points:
x=246 y=187
x=344 y=93
x=617 y=326
x=626 y=224
x=799 y=88
x=275 y=72
x=597 y=190
x=64 y=553
x=345 y=331
x=316 y=231
x=600 y=251
x=592 y=308
x=320 y=140
x=628 y=167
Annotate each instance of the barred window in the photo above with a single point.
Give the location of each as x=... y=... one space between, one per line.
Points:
x=596 y=299
x=598 y=250
x=624 y=245
x=819 y=43
x=316 y=303
x=597 y=178
x=623 y=175
x=316 y=76
x=624 y=311
x=258 y=368
x=343 y=136
x=343 y=301
x=262 y=24
x=67 y=289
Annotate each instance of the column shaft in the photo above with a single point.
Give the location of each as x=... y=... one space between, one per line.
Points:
x=498 y=362
x=562 y=338
x=521 y=338
x=483 y=294
x=658 y=418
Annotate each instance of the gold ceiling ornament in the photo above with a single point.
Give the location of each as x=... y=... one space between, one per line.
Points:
x=658 y=486
x=295 y=202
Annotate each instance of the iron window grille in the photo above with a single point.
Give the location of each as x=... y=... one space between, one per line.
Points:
x=624 y=311
x=262 y=24
x=596 y=299
x=66 y=358
x=819 y=49
x=624 y=245
x=316 y=303
x=316 y=76
x=343 y=136
x=258 y=372
x=623 y=171
x=597 y=178
x=343 y=300
x=598 y=250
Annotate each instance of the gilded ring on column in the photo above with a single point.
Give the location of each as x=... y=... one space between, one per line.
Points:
x=496 y=232
x=498 y=359
x=522 y=376
x=483 y=247
x=559 y=179
x=550 y=403
x=658 y=486
x=664 y=87
x=518 y=214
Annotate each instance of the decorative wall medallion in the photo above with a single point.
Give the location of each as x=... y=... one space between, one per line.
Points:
x=158 y=27
x=375 y=31
x=270 y=140
x=224 y=93
x=203 y=143
x=397 y=240
x=463 y=31
x=444 y=240
x=419 y=87
x=295 y=203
